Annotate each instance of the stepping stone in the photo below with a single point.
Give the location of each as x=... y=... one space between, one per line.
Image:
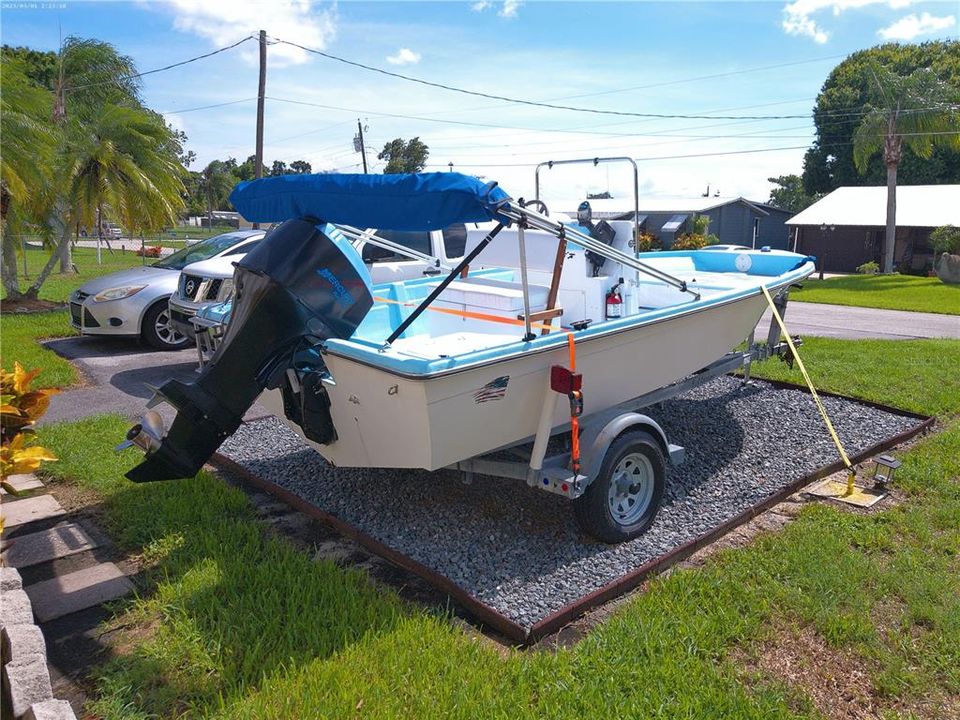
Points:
x=23 y=483
x=77 y=591
x=40 y=507
x=50 y=544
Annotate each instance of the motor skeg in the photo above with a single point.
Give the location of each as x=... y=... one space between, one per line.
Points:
x=301 y=285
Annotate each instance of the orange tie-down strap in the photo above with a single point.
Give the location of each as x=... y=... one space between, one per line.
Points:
x=469 y=314
x=574 y=419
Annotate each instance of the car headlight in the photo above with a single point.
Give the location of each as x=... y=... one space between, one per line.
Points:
x=226 y=290
x=118 y=293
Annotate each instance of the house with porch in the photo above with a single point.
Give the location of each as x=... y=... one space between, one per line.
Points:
x=735 y=220
x=846 y=228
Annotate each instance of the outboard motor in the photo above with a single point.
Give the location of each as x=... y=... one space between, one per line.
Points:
x=602 y=231
x=301 y=285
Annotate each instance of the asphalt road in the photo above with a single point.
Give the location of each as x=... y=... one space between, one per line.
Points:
x=855 y=323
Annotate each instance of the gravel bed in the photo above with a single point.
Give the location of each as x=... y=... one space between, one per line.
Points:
x=518 y=549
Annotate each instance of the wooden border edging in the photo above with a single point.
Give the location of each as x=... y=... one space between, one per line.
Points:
x=557 y=620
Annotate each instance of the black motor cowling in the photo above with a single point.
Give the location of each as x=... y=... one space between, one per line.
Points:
x=298 y=287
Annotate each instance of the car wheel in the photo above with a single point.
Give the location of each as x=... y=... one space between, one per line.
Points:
x=621 y=503
x=157 y=331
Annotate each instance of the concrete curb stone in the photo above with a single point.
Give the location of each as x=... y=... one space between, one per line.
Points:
x=15 y=609
x=50 y=710
x=10 y=579
x=22 y=643
x=25 y=684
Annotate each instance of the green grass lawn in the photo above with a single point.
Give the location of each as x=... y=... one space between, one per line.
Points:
x=891 y=292
x=19 y=333
x=57 y=287
x=234 y=623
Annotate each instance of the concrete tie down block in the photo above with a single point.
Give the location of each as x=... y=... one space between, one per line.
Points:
x=15 y=609
x=50 y=710
x=26 y=684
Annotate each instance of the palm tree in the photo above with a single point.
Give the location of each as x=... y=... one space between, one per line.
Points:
x=916 y=110
x=26 y=154
x=216 y=182
x=91 y=74
x=119 y=160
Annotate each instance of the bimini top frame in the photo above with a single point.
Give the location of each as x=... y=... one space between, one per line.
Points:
x=596 y=161
x=417 y=201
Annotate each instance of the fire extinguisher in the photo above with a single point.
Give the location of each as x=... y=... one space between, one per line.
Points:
x=614 y=302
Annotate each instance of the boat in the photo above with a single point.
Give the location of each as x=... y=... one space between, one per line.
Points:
x=432 y=372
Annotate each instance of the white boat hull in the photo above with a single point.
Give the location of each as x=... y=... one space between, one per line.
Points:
x=386 y=420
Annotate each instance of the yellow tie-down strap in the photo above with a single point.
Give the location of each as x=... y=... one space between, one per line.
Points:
x=851 y=472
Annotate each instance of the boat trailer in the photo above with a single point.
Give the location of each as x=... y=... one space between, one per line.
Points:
x=623 y=461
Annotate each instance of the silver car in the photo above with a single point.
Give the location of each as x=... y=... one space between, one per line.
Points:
x=133 y=303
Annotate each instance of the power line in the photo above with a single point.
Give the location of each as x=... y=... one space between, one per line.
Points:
x=645 y=159
x=534 y=103
x=165 y=67
x=206 y=107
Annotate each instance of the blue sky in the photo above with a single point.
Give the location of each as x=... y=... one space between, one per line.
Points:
x=694 y=58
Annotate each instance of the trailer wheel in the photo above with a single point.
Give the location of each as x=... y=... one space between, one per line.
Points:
x=623 y=500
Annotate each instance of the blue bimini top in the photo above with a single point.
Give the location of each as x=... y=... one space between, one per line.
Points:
x=410 y=201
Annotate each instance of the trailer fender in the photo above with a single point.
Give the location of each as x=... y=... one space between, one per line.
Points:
x=597 y=438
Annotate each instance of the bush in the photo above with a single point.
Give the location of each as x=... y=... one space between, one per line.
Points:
x=20 y=408
x=647 y=242
x=945 y=239
x=868 y=268
x=689 y=241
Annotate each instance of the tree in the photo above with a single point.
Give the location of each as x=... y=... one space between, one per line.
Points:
x=216 y=182
x=829 y=163
x=404 y=156
x=789 y=193
x=26 y=155
x=917 y=111
x=279 y=168
x=245 y=171
x=301 y=167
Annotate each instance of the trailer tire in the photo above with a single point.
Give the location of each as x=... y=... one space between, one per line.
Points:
x=623 y=500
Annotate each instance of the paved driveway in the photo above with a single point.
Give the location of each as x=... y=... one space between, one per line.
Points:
x=119 y=375
x=854 y=323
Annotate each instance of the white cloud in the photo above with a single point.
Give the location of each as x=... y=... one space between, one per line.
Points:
x=404 y=56
x=509 y=8
x=798 y=15
x=225 y=21
x=911 y=26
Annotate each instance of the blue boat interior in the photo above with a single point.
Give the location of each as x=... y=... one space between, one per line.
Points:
x=478 y=317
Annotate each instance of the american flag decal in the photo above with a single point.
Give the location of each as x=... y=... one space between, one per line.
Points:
x=493 y=390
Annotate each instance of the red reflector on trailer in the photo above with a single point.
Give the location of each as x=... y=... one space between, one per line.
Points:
x=563 y=381
x=564 y=487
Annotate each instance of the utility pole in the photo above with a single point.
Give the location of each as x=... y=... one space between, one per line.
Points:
x=362 y=147
x=258 y=162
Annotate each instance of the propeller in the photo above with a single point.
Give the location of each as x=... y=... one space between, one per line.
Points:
x=146 y=434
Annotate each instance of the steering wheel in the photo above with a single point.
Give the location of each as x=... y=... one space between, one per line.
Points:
x=541 y=206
